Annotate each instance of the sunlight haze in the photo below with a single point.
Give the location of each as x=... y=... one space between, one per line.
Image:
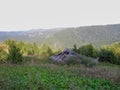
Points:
x=42 y=14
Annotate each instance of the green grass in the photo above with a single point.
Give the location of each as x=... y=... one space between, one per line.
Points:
x=48 y=76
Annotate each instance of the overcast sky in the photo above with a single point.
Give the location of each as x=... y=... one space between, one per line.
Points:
x=34 y=14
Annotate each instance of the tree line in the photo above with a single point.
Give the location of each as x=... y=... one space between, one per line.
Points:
x=13 y=51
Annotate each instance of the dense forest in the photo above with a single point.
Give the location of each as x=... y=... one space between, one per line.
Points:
x=66 y=37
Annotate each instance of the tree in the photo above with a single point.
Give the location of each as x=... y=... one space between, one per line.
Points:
x=15 y=56
x=75 y=48
x=110 y=53
x=88 y=50
x=106 y=55
x=49 y=51
x=3 y=55
x=45 y=50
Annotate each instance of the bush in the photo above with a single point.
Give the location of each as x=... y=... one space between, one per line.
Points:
x=14 y=55
x=106 y=55
x=88 y=62
x=3 y=55
x=110 y=53
x=87 y=50
x=45 y=50
x=72 y=61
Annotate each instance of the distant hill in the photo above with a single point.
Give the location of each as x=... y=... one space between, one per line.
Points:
x=67 y=37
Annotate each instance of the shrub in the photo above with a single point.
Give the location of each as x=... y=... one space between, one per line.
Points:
x=110 y=53
x=87 y=50
x=72 y=61
x=15 y=56
x=88 y=62
x=49 y=51
x=45 y=50
x=106 y=55
x=3 y=55
x=75 y=48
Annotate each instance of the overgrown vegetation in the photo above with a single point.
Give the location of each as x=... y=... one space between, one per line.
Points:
x=107 y=53
x=51 y=76
x=111 y=53
x=13 y=51
x=37 y=72
x=87 y=50
x=3 y=55
x=14 y=55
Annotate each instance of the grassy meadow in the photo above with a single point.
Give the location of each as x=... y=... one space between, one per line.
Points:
x=37 y=73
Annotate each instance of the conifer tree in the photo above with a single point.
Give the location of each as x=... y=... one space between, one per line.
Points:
x=15 y=56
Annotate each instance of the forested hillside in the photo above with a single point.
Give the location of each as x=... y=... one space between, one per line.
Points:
x=67 y=37
x=97 y=35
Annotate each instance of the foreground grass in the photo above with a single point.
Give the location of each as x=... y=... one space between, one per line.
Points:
x=41 y=74
x=45 y=76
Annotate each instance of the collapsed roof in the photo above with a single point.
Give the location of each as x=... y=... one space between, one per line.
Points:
x=67 y=55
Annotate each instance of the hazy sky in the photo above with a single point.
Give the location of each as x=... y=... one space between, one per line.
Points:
x=33 y=14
